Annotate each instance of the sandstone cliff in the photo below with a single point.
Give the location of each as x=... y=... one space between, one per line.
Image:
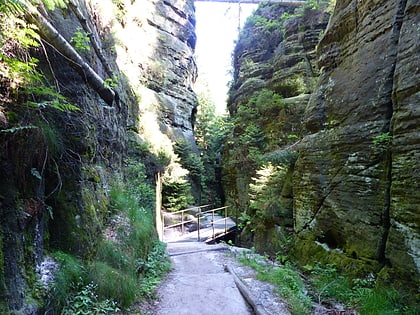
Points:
x=354 y=184
x=57 y=171
x=352 y=192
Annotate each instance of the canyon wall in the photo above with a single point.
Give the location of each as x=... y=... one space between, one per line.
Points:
x=350 y=192
x=57 y=170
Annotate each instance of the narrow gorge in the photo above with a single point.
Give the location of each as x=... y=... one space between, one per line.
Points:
x=101 y=128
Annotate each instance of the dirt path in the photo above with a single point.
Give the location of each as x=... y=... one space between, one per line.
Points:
x=205 y=281
x=199 y=283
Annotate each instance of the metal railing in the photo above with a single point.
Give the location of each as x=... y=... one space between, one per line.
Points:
x=199 y=217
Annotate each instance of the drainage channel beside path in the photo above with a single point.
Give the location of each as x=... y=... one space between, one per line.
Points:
x=205 y=281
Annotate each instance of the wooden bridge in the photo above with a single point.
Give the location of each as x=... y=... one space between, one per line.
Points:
x=295 y=3
x=202 y=224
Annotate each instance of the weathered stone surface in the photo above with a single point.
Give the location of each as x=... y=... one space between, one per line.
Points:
x=354 y=184
x=279 y=56
x=350 y=191
x=403 y=246
x=144 y=50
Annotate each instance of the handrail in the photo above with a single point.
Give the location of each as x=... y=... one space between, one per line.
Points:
x=191 y=208
x=199 y=216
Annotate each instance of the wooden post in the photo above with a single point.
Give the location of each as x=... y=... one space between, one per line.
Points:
x=198 y=227
x=212 y=222
x=160 y=221
x=225 y=220
x=182 y=222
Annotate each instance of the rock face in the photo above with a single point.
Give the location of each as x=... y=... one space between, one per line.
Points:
x=354 y=188
x=55 y=180
x=284 y=62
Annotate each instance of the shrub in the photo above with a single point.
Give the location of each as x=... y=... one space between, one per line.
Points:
x=113 y=283
x=86 y=302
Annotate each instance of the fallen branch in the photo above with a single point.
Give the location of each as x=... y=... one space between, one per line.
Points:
x=48 y=32
x=94 y=43
x=256 y=305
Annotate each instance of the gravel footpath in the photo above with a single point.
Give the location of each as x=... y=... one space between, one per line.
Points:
x=207 y=280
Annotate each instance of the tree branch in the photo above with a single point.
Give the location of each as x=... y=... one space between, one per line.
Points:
x=55 y=39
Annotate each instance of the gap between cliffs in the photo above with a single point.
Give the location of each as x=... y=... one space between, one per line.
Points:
x=388 y=128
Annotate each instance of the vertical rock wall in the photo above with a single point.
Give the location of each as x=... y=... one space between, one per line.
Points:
x=354 y=181
x=55 y=180
x=279 y=55
x=353 y=193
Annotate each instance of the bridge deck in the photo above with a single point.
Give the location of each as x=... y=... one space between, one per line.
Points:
x=207 y=230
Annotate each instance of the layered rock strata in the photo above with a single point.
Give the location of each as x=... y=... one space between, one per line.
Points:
x=353 y=188
x=55 y=180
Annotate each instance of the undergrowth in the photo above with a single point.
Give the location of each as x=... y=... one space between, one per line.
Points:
x=129 y=262
x=324 y=286
x=286 y=279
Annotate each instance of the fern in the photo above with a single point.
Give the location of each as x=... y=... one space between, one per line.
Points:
x=16 y=129
x=11 y=7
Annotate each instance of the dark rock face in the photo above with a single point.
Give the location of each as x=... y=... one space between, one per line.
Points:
x=354 y=188
x=61 y=198
x=353 y=178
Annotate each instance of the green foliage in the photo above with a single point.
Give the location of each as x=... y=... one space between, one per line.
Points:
x=328 y=283
x=86 y=302
x=176 y=195
x=287 y=280
x=120 y=10
x=19 y=69
x=290 y=286
x=256 y=123
x=128 y=255
x=382 y=142
x=71 y=272
x=80 y=40
x=265 y=194
x=264 y=23
x=11 y=7
x=189 y=160
x=16 y=129
x=211 y=131
x=318 y=4
x=364 y=295
x=138 y=186
x=281 y=157
x=153 y=268
x=112 y=283
x=52 y=4
x=111 y=82
x=244 y=220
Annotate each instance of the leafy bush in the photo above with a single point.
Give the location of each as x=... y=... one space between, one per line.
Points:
x=86 y=302
x=153 y=268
